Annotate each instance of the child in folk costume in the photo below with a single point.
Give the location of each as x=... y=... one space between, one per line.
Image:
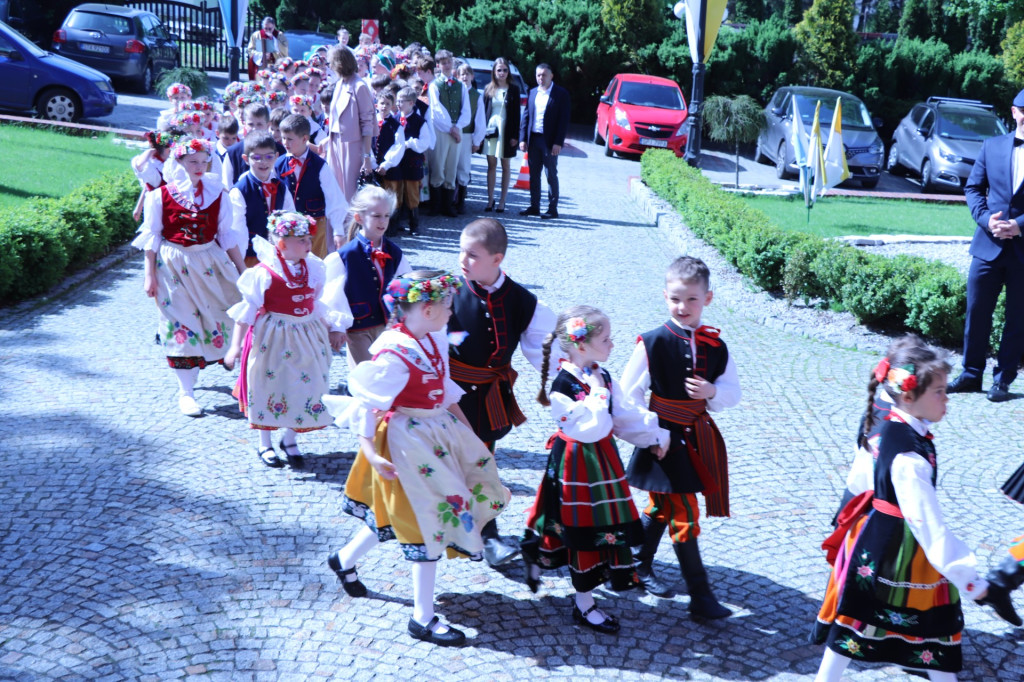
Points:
x=689 y=371
x=472 y=136
x=401 y=145
x=258 y=193
x=450 y=113
x=359 y=272
x=192 y=262
x=421 y=476
x=583 y=515
x=894 y=592
x=286 y=357
x=1008 y=575
x=177 y=93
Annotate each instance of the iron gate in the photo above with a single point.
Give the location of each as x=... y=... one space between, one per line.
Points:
x=199 y=32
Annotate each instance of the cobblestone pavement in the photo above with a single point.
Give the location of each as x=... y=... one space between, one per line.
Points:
x=139 y=544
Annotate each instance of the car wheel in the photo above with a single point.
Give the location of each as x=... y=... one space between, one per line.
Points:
x=759 y=156
x=145 y=81
x=781 y=172
x=926 y=176
x=59 y=104
x=597 y=135
x=608 y=143
x=869 y=183
x=893 y=164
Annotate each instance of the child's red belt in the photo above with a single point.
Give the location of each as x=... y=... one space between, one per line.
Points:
x=494 y=377
x=705 y=445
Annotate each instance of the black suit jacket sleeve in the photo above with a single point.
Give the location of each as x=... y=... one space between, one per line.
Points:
x=559 y=117
x=976 y=189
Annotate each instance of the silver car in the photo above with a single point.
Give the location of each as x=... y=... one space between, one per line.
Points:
x=864 y=148
x=940 y=139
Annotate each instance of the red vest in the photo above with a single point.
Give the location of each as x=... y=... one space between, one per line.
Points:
x=186 y=227
x=425 y=389
x=280 y=297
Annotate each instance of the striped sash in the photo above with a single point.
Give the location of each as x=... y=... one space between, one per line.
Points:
x=492 y=377
x=705 y=445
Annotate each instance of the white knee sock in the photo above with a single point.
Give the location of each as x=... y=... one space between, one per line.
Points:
x=584 y=600
x=832 y=667
x=288 y=438
x=937 y=676
x=187 y=379
x=362 y=542
x=264 y=438
x=424 y=574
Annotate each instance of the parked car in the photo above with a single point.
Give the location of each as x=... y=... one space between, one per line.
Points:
x=482 y=76
x=637 y=112
x=864 y=148
x=122 y=42
x=301 y=42
x=940 y=139
x=56 y=88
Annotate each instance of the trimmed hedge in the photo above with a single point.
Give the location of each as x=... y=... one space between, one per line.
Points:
x=46 y=239
x=902 y=293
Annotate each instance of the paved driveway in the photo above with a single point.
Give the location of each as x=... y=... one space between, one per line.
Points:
x=139 y=544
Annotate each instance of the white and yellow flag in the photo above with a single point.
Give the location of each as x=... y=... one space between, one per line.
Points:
x=834 y=165
x=816 y=157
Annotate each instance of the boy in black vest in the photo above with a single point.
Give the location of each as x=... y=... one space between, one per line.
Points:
x=499 y=315
x=227 y=135
x=689 y=371
x=402 y=141
x=472 y=136
x=312 y=185
x=258 y=193
x=449 y=111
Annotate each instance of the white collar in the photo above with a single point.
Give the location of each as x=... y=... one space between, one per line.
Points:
x=921 y=426
x=496 y=285
x=683 y=326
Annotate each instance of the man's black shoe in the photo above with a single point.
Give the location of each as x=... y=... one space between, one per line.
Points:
x=530 y=211
x=552 y=213
x=999 y=392
x=964 y=384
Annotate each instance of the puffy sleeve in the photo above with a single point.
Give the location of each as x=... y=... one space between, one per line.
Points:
x=252 y=284
x=374 y=385
x=336 y=204
x=452 y=391
x=862 y=472
x=393 y=156
x=634 y=423
x=585 y=420
x=146 y=170
x=317 y=280
x=337 y=313
x=911 y=479
x=727 y=388
x=226 y=235
x=636 y=378
x=238 y=209
x=531 y=343
x=151 y=230
x=438 y=114
x=424 y=142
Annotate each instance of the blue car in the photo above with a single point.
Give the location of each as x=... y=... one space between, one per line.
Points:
x=57 y=88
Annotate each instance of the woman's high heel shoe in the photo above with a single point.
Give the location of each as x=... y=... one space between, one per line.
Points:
x=489 y=207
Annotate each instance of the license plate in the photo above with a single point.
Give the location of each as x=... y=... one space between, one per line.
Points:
x=89 y=47
x=648 y=142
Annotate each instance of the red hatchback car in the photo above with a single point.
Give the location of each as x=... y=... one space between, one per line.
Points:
x=637 y=112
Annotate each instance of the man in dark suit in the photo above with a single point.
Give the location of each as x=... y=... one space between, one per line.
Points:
x=996 y=198
x=545 y=121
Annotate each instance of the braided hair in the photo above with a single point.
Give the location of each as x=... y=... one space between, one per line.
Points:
x=593 y=316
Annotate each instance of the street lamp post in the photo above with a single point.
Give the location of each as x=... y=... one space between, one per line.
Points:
x=703 y=19
x=234 y=52
x=693 y=138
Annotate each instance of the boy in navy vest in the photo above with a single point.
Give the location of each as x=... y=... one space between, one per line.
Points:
x=449 y=110
x=258 y=193
x=499 y=316
x=401 y=145
x=689 y=371
x=254 y=117
x=227 y=135
x=312 y=185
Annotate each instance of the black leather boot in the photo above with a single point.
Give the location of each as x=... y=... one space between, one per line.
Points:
x=414 y=220
x=434 y=202
x=496 y=552
x=702 y=602
x=645 y=558
x=447 y=201
x=460 y=200
x=1003 y=580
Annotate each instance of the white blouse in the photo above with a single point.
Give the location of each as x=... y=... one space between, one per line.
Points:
x=148 y=169
x=374 y=384
x=585 y=418
x=150 y=235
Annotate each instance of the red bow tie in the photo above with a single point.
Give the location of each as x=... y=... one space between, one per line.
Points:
x=380 y=123
x=451 y=82
x=708 y=335
x=293 y=164
x=402 y=121
x=379 y=257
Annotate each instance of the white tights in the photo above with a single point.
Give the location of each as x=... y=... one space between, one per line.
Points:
x=187 y=380
x=833 y=665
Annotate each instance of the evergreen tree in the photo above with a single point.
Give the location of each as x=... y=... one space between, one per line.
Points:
x=915 y=21
x=634 y=24
x=749 y=10
x=828 y=45
x=886 y=18
x=793 y=12
x=1013 y=55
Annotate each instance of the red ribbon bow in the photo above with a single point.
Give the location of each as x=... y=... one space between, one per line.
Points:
x=402 y=121
x=380 y=123
x=379 y=256
x=270 y=193
x=708 y=335
x=293 y=164
x=451 y=82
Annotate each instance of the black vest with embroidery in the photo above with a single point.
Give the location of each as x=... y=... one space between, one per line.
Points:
x=896 y=437
x=670 y=361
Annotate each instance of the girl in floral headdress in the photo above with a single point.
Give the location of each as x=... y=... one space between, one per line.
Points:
x=177 y=93
x=286 y=357
x=192 y=262
x=421 y=476
x=584 y=515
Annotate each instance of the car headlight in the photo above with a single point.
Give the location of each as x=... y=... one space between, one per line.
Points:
x=950 y=157
x=877 y=148
x=621 y=119
x=683 y=128
x=104 y=85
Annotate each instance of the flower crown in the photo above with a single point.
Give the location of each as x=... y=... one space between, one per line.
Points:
x=279 y=76
x=245 y=99
x=159 y=138
x=301 y=63
x=253 y=88
x=897 y=379
x=295 y=100
x=232 y=91
x=314 y=71
x=175 y=89
x=300 y=76
x=263 y=73
x=290 y=224
x=285 y=64
x=276 y=97
x=409 y=290
x=184 y=118
x=194 y=105
x=191 y=145
x=577 y=329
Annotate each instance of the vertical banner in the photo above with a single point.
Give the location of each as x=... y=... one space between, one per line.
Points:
x=234 y=12
x=371 y=27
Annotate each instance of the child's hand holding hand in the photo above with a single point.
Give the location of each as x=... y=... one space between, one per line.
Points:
x=337 y=340
x=149 y=285
x=384 y=468
x=659 y=451
x=229 y=359
x=700 y=388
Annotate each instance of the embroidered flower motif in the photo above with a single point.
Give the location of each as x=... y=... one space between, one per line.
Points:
x=315 y=409
x=456 y=502
x=455 y=511
x=412 y=424
x=865 y=571
x=263 y=348
x=496 y=505
x=270 y=374
x=278 y=408
x=209 y=271
x=287 y=354
x=580 y=395
x=897 y=618
x=927 y=657
x=180 y=336
x=607 y=539
x=482 y=462
x=852 y=646
x=440 y=452
x=304 y=378
x=467 y=520
x=439 y=536
x=218 y=341
x=426 y=470
x=544 y=561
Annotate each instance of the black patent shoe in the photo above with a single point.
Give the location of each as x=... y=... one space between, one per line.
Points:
x=353 y=588
x=964 y=384
x=608 y=626
x=999 y=392
x=425 y=633
x=531 y=582
x=652 y=584
x=296 y=460
x=497 y=553
x=269 y=457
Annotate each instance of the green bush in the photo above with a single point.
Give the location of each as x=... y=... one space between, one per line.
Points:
x=45 y=239
x=193 y=78
x=902 y=293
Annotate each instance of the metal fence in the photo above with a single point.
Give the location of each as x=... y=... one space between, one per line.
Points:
x=199 y=32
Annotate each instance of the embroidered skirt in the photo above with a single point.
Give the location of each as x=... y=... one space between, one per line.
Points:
x=584 y=516
x=886 y=603
x=288 y=360
x=195 y=286
x=446 y=491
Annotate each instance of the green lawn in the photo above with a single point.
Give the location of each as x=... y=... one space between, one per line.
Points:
x=842 y=216
x=41 y=163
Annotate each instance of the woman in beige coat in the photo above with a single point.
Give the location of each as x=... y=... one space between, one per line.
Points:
x=352 y=123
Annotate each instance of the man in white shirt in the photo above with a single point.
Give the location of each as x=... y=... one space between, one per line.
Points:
x=542 y=130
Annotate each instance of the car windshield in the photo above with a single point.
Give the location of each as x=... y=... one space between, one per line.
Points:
x=969 y=125
x=23 y=42
x=105 y=23
x=855 y=114
x=300 y=44
x=650 y=95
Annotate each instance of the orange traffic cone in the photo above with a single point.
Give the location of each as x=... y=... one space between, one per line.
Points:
x=523 y=181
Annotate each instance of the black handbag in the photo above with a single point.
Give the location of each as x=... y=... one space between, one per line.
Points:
x=492 y=131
